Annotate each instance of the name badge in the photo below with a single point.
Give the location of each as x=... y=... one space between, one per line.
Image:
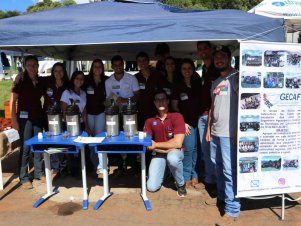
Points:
x=90 y=91
x=23 y=114
x=116 y=87
x=167 y=91
x=49 y=92
x=77 y=102
x=183 y=96
x=141 y=85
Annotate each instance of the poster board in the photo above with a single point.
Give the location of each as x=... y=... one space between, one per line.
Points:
x=269 y=119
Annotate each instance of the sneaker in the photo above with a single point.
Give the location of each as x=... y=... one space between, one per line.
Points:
x=27 y=185
x=182 y=191
x=195 y=183
x=226 y=220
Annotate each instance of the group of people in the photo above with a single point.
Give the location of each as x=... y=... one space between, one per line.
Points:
x=176 y=106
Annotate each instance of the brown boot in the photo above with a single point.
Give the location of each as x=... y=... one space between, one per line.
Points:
x=214 y=202
x=43 y=179
x=226 y=220
x=188 y=185
x=195 y=183
x=27 y=185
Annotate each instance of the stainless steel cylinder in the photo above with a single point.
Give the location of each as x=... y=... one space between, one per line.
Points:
x=55 y=124
x=112 y=125
x=73 y=125
x=130 y=125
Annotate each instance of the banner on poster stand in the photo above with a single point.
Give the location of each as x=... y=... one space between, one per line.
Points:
x=269 y=128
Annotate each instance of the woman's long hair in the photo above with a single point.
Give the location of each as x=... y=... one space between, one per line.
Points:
x=73 y=77
x=102 y=75
x=65 y=76
x=194 y=79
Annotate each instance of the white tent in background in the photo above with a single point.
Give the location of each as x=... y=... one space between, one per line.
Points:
x=290 y=10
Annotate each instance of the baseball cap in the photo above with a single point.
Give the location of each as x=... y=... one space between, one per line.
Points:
x=224 y=49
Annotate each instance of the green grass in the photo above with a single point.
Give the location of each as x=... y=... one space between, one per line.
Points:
x=5 y=87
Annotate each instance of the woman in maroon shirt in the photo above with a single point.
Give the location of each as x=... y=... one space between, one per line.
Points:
x=96 y=96
x=186 y=100
x=171 y=74
x=54 y=86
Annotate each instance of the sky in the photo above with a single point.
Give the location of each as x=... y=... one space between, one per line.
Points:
x=22 y=5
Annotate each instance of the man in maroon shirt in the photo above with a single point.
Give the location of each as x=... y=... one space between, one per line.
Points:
x=28 y=119
x=167 y=131
x=149 y=81
x=209 y=74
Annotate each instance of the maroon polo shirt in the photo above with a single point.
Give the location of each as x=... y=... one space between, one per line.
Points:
x=29 y=98
x=51 y=92
x=188 y=102
x=208 y=76
x=96 y=96
x=148 y=88
x=162 y=131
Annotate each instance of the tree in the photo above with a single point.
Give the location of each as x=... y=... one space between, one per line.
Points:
x=213 y=4
x=49 y=4
x=9 y=14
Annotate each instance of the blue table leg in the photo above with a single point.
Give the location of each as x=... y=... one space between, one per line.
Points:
x=44 y=198
x=102 y=200
x=147 y=204
x=85 y=204
x=143 y=184
x=84 y=180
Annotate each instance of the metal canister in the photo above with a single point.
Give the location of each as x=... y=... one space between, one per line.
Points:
x=73 y=119
x=112 y=118
x=54 y=117
x=129 y=117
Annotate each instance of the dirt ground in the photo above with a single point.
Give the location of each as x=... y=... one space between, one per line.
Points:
x=125 y=207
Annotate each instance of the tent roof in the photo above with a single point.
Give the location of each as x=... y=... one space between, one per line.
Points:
x=103 y=29
x=289 y=10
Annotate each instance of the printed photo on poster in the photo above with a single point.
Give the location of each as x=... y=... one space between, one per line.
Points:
x=274 y=58
x=250 y=79
x=271 y=163
x=248 y=144
x=251 y=57
x=293 y=80
x=248 y=165
x=249 y=123
x=250 y=101
x=273 y=80
x=290 y=163
x=294 y=59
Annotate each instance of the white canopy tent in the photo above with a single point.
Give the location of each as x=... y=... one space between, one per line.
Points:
x=288 y=10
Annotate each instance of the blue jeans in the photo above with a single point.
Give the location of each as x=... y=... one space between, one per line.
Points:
x=157 y=167
x=27 y=130
x=58 y=162
x=97 y=123
x=210 y=176
x=226 y=169
x=190 y=155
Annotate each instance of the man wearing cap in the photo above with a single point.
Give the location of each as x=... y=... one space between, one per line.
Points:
x=221 y=132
